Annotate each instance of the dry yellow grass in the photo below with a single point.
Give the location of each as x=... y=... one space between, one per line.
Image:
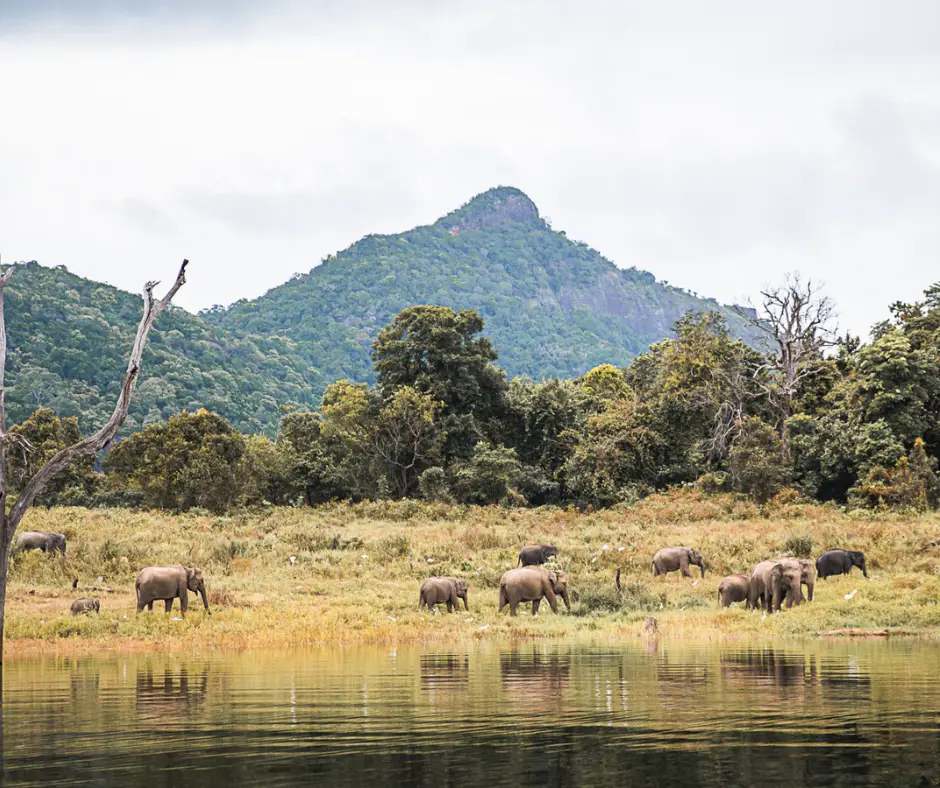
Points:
x=357 y=570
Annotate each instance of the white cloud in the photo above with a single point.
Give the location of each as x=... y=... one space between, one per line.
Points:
x=716 y=145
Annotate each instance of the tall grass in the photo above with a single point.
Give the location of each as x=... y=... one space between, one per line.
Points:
x=356 y=570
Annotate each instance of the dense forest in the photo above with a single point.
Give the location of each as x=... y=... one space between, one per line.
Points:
x=555 y=308
x=69 y=339
x=809 y=414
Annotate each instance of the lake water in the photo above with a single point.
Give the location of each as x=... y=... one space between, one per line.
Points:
x=548 y=714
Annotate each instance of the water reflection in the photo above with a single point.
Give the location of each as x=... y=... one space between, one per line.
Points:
x=541 y=713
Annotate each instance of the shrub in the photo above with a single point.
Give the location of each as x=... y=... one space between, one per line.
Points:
x=799 y=546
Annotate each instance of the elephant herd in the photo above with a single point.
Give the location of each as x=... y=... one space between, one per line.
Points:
x=154 y=584
x=769 y=585
x=776 y=580
x=529 y=582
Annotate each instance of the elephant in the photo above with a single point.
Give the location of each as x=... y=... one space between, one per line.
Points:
x=435 y=590
x=732 y=589
x=40 y=540
x=807 y=573
x=670 y=559
x=80 y=606
x=167 y=583
x=532 y=584
x=840 y=562
x=786 y=579
x=774 y=579
x=533 y=554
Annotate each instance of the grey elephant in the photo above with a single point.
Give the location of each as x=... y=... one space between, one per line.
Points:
x=532 y=584
x=533 y=554
x=840 y=562
x=449 y=590
x=40 y=540
x=168 y=583
x=80 y=606
x=731 y=589
x=671 y=559
x=807 y=573
x=774 y=580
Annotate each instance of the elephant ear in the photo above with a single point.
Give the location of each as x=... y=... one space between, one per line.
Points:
x=777 y=571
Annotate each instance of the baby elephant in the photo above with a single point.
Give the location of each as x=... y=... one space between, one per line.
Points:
x=40 y=540
x=732 y=589
x=449 y=590
x=80 y=606
x=533 y=554
x=168 y=583
x=671 y=559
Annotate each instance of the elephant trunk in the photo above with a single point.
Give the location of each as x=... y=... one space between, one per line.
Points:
x=466 y=604
x=205 y=601
x=702 y=567
x=564 y=595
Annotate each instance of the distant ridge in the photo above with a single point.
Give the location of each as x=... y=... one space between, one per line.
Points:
x=552 y=306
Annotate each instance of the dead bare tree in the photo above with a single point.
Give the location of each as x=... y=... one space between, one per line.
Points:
x=12 y=514
x=797 y=320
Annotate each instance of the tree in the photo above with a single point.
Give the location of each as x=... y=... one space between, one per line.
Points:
x=757 y=462
x=12 y=514
x=309 y=468
x=797 y=320
x=492 y=474
x=350 y=414
x=407 y=439
x=46 y=434
x=263 y=474
x=190 y=460
x=438 y=352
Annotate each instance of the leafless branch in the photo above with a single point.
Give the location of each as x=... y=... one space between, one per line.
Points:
x=799 y=321
x=96 y=442
x=4 y=279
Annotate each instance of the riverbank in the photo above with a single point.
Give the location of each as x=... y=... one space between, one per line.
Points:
x=356 y=570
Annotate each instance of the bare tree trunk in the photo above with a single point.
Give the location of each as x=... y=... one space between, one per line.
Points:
x=91 y=445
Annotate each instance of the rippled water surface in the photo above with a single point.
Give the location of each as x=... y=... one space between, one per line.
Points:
x=547 y=714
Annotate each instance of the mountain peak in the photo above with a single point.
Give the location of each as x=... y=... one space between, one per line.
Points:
x=492 y=208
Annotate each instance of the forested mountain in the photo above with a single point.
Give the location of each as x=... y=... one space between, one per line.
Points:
x=69 y=339
x=553 y=307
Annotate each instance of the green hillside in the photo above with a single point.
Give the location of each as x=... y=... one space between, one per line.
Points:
x=552 y=307
x=69 y=339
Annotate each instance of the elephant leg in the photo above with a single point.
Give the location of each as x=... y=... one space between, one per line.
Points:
x=535 y=606
x=684 y=569
x=502 y=600
x=450 y=606
x=169 y=605
x=150 y=606
x=512 y=608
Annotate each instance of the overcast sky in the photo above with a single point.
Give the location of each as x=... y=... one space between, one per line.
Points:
x=717 y=145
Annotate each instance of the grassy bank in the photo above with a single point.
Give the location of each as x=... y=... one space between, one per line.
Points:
x=357 y=570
